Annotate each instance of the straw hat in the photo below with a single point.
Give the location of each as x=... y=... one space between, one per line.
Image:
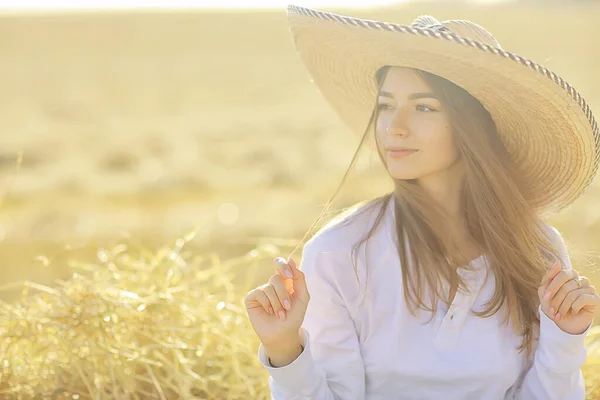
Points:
x=545 y=124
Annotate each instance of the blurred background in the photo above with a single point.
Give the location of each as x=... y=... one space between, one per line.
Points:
x=135 y=120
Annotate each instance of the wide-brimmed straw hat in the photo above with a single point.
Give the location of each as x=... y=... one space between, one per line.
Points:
x=545 y=124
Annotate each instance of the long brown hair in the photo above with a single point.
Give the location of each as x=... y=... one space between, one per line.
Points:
x=499 y=220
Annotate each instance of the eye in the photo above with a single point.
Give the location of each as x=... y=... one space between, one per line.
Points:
x=383 y=106
x=425 y=108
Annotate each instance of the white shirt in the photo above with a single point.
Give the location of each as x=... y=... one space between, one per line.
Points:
x=380 y=351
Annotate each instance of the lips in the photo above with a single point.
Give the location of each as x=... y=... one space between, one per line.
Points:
x=398 y=148
x=396 y=152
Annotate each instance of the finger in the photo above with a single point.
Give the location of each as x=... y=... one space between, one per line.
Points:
x=282 y=268
x=292 y=263
x=550 y=273
x=262 y=298
x=588 y=299
x=283 y=297
x=281 y=291
x=278 y=309
x=300 y=289
x=560 y=279
x=258 y=296
x=565 y=306
x=548 y=276
x=559 y=298
x=585 y=282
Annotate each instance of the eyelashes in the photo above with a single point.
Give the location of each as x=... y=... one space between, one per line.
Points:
x=418 y=107
x=425 y=108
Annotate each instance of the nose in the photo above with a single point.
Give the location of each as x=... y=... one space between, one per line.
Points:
x=397 y=131
x=399 y=124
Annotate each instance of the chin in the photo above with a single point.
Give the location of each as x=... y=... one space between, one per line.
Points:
x=404 y=175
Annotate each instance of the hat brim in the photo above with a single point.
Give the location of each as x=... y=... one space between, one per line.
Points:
x=545 y=124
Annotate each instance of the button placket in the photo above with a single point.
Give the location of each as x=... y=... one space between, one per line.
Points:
x=458 y=311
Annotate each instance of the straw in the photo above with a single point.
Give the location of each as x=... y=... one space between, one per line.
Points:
x=136 y=325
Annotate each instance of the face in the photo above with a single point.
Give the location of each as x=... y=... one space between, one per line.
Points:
x=413 y=131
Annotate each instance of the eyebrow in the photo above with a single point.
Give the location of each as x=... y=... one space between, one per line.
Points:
x=413 y=96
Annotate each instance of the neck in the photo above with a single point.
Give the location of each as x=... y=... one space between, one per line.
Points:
x=444 y=188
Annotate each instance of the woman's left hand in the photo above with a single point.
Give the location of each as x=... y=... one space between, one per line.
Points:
x=568 y=299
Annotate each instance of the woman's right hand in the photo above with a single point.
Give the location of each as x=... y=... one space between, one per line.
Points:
x=265 y=303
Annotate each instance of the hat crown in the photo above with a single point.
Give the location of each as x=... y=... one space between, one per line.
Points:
x=464 y=28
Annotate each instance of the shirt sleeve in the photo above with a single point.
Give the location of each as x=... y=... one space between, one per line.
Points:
x=555 y=373
x=330 y=366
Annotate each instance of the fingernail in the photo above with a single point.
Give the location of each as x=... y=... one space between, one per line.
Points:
x=288 y=273
x=552 y=311
x=282 y=315
x=557 y=316
x=271 y=311
x=547 y=295
x=286 y=304
x=280 y=260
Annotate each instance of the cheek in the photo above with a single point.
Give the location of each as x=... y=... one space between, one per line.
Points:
x=380 y=126
x=439 y=144
x=433 y=136
x=379 y=135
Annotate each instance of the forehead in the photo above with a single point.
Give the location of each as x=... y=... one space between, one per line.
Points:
x=400 y=80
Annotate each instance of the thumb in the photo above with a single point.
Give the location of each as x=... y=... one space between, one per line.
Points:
x=299 y=279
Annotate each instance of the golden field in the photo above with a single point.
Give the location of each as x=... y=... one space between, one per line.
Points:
x=150 y=125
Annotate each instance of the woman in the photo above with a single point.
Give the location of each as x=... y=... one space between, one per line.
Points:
x=478 y=299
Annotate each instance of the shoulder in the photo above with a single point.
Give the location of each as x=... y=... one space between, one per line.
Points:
x=327 y=258
x=346 y=229
x=553 y=235
x=555 y=240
